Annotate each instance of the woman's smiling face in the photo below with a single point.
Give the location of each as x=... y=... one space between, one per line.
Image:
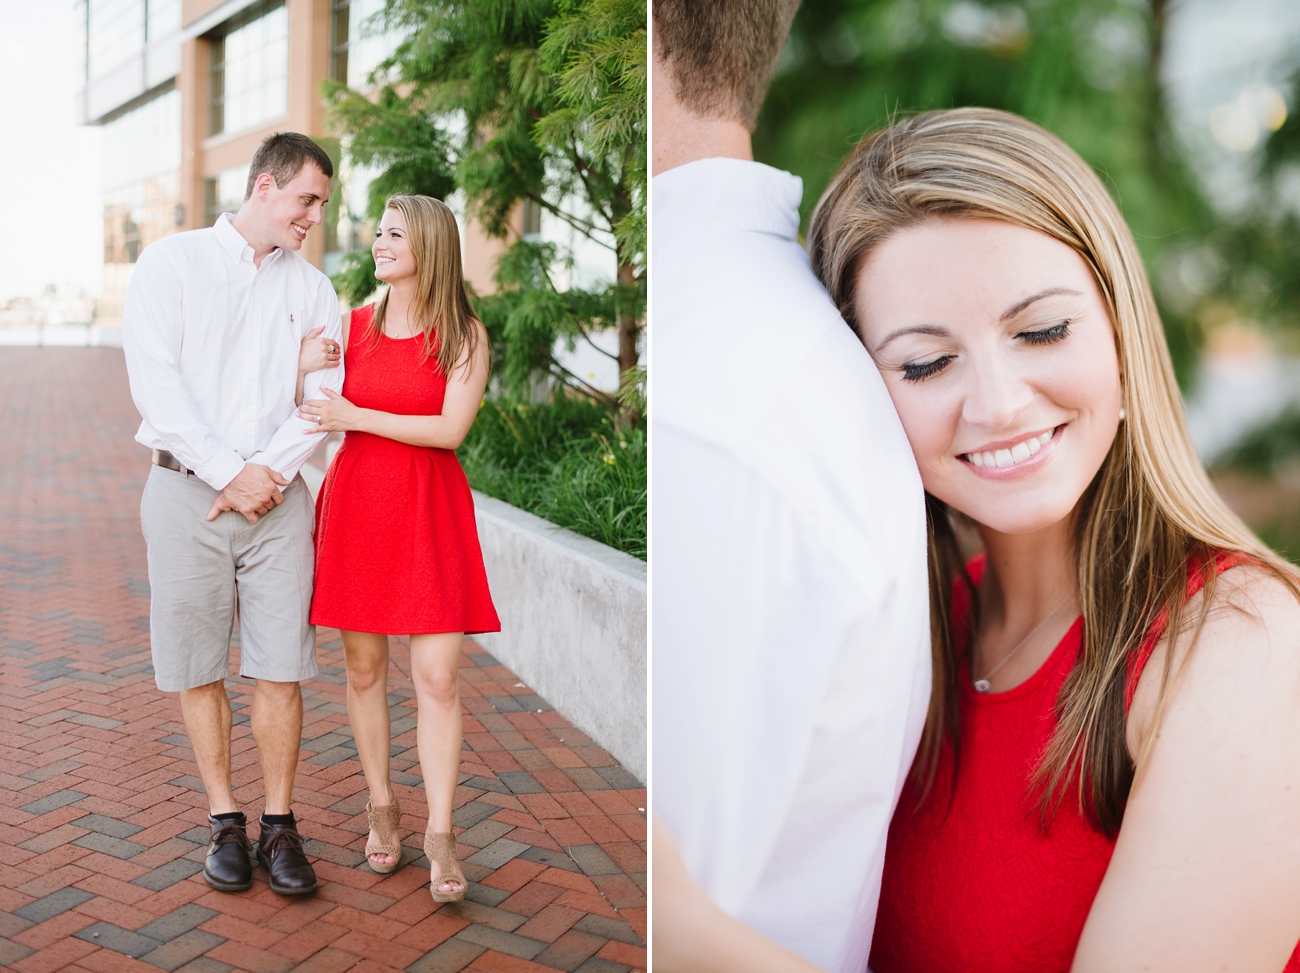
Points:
x=999 y=354
x=394 y=258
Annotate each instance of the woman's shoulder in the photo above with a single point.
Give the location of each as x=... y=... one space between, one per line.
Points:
x=1250 y=601
x=357 y=320
x=1247 y=599
x=1227 y=649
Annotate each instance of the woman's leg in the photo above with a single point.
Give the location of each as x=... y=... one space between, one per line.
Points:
x=435 y=670
x=367 y=662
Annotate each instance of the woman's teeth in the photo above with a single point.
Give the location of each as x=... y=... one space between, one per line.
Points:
x=1016 y=454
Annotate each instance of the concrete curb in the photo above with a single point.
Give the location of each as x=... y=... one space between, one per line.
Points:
x=573 y=624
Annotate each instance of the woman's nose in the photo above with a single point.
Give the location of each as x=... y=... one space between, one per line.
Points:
x=997 y=395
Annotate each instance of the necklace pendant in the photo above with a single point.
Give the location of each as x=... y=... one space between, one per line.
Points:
x=982 y=685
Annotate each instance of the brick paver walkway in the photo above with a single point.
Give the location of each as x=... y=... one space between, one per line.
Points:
x=102 y=820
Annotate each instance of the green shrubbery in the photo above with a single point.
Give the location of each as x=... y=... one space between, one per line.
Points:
x=566 y=461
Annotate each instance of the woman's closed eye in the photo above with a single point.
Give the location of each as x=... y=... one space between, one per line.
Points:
x=1045 y=336
x=919 y=371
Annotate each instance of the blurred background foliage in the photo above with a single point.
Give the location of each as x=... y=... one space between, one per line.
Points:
x=1088 y=70
x=510 y=103
x=1091 y=71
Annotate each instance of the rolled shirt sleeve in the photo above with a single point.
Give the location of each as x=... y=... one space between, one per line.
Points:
x=152 y=327
x=290 y=446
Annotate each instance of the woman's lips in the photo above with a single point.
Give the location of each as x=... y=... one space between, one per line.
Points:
x=1011 y=463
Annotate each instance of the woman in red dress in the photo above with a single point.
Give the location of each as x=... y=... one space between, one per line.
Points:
x=397 y=550
x=1110 y=774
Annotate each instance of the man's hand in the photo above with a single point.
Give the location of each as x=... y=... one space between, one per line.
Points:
x=253 y=492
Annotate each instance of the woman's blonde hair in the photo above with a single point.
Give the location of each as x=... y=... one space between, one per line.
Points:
x=1149 y=517
x=442 y=310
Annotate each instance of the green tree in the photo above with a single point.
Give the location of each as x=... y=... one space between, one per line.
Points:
x=1088 y=70
x=510 y=101
x=1249 y=264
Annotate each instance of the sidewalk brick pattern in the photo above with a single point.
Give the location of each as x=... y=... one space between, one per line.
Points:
x=102 y=817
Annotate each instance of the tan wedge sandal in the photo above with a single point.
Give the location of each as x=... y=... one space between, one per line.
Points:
x=384 y=822
x=440 y=847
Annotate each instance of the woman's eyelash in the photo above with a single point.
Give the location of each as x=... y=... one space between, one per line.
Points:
x=1045 y=336
x=918 y=371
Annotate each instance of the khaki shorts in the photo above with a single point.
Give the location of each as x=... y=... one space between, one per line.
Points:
x=200 y=571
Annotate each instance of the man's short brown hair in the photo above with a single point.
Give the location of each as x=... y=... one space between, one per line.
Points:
x=722 y=53
x=283 y=154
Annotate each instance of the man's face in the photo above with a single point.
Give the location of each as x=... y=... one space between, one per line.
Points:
x=290 y=211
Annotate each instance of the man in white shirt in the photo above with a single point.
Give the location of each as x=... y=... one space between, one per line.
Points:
x=790 y=613
x=211 y=329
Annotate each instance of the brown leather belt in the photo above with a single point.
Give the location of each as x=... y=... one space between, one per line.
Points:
x=169 y=462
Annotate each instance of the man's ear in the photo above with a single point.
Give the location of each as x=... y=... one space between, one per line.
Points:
x=262 y=187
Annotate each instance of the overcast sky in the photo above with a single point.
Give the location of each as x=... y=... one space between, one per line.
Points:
x=51 y=205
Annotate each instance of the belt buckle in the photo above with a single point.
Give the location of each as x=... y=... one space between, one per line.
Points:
x=168 y=462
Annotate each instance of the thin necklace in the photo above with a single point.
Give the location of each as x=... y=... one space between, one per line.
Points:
x=983 y=685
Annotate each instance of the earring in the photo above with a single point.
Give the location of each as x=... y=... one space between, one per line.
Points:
x=1123 y=413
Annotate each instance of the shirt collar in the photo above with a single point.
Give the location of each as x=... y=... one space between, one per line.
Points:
x=233 y=242
x=728 y=194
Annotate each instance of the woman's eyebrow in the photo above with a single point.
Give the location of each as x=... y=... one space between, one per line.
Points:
x=1015 y=309
x=936 y=330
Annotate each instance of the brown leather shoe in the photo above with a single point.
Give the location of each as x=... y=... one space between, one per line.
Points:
x=228 y=868
x=280 y=846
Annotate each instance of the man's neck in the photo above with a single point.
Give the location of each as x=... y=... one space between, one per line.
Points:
x=243 y=222
x=681 y=136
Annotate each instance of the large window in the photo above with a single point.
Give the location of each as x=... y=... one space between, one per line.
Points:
x=142 y=158
x=357 y=48
x=250 y=68
x=225 y=193
x=82 y=40
x=164 y=17
x=116 y=30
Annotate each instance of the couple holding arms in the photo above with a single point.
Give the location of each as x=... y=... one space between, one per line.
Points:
x=1076 y=750
x=240 y=365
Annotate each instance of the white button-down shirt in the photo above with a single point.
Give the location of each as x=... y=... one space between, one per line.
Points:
x=791 y=661
x=212 y=343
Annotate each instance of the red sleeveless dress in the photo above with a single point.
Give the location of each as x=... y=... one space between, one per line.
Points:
x=972 y=882
x=397 y=550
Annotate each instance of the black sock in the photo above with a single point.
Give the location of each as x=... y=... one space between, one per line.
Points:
x=277 y=818
x=229 y=817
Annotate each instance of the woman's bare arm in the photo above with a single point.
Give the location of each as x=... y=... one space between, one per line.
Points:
x=464 y=395
x=692 y=935
x=315 y=353
x=1206 y=872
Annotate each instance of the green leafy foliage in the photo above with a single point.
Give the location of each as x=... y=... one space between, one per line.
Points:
x=355 y=279
x=513 y=101
x=597 y=50
x=1251 y=260
x=568 y=460
x=1087 y=70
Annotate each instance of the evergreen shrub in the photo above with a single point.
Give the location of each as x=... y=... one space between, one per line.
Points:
x=568 y=461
